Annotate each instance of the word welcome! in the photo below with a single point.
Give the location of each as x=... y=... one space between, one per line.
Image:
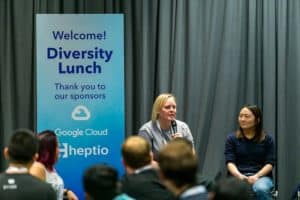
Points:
x=71 y=35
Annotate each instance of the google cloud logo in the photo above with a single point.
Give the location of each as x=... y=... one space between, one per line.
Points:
x=81 y=113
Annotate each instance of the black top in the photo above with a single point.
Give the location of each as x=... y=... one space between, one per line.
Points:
x=249 y=156
x=24 y=186
x=145 y=186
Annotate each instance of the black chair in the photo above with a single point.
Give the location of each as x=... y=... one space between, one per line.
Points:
x=296 y=193
x=274 y=193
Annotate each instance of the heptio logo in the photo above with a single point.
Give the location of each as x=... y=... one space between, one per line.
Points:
x=66 y=150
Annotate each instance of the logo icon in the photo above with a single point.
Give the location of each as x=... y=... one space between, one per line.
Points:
x=11 y=181
x=81 y=113
x=64 y=150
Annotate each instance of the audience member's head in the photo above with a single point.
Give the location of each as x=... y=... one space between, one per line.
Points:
x=185 y=143
x=178 y=163
x=48 y=149
x=136 y=153
x=22 y=147
x=100 y=182
x=232 y=188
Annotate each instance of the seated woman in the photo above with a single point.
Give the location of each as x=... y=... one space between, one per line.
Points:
x=249 y=152
x=163 y=126
x=44 y=169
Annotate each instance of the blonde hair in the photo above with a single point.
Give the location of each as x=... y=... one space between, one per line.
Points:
x=159 y=103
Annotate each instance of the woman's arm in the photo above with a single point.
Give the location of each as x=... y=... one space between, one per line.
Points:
x=70 y=194
x=263 y=172
x=230 y=157
x=270 y=160
x=233 y=170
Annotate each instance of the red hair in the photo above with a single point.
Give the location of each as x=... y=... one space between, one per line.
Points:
x=47 y=149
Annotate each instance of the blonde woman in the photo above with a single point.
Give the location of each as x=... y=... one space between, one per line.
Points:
x=164 y=126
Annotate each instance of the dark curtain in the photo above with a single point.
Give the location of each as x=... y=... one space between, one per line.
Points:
x=214 y=55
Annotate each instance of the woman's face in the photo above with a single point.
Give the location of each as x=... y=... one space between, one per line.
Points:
x=168 y=110
x=246 y=119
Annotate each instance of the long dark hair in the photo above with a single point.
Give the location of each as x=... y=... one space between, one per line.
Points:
x=47 y=149
x=259 y=133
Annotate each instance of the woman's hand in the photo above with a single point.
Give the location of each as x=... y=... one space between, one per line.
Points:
x=243 y=177
x=155 y=165
x=252 y=179
x=176 y=135
x=71 y=195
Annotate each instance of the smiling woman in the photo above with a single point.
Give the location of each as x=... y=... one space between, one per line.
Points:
x=249 y=152
x=250 y=121
x=164 y=126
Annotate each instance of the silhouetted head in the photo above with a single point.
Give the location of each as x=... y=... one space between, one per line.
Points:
x=22 y=147
x=100 y=182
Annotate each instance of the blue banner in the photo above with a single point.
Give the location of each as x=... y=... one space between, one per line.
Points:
x=80 y=89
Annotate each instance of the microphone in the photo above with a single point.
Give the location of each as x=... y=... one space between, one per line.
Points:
x=174 y=126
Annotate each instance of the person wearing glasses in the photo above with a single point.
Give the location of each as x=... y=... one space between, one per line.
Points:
x=249 y=152
x=164 y=126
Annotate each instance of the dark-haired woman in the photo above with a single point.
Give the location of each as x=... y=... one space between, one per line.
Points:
x=249 y=152
x=44 y=169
